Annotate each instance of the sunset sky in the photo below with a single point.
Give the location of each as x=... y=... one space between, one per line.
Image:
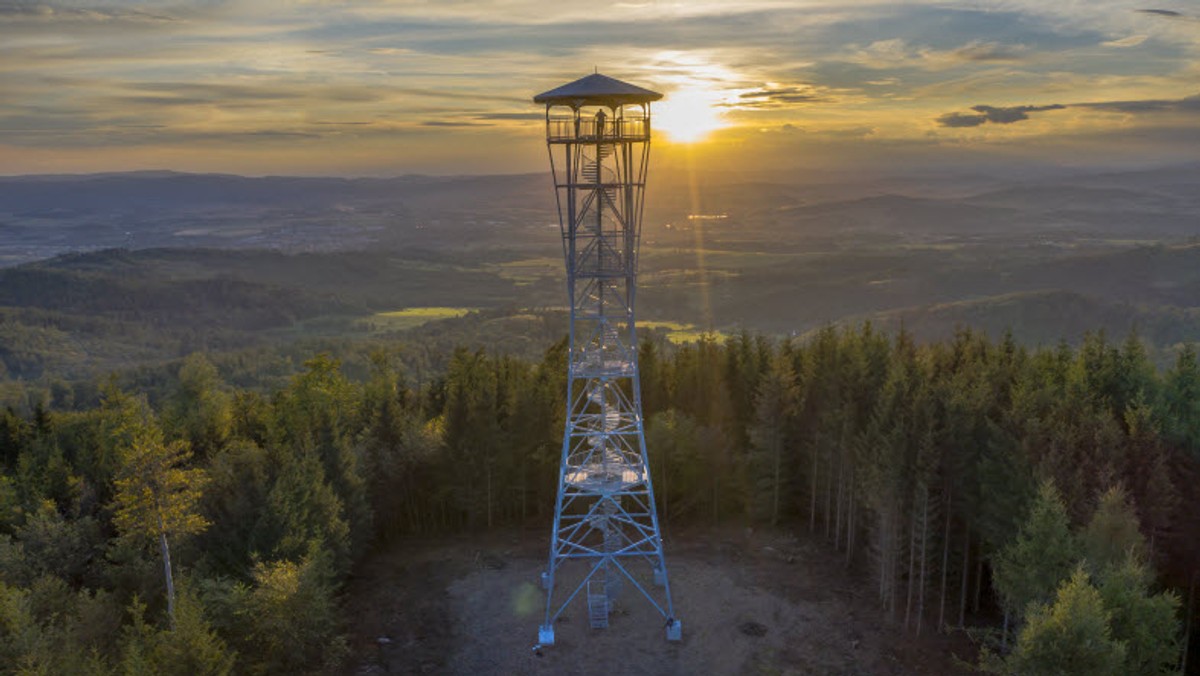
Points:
x=444 y=86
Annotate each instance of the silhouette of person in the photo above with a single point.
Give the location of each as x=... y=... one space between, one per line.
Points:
x=600 y=119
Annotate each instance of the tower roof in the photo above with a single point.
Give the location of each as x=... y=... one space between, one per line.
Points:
x=597 y=89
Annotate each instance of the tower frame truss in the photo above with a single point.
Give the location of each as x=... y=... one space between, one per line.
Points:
x=606 y=538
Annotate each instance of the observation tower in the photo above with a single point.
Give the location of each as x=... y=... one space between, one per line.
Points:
x=606 y=536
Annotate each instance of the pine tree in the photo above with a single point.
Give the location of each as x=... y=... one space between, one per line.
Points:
x=288 y=620
x=653 y=377
x=1147 y=472
x=1069 y=637
x=1146 y=624
x=472 y=433
x=240 y=476
x=319 y=412
x=191 y=647
x=21 y=638
x=774 y=405
x=1182 y=400
x=302 y=509
x=200 y=410
x=1134 y=376
x=1030 y=568
x=1112 y=535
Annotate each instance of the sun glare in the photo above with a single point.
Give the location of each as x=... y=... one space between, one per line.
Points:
x=688 y=115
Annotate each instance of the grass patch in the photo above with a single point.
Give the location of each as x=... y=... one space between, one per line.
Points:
x=412 y=317
x=679 y=332
x=529 y=270
x=721 y=259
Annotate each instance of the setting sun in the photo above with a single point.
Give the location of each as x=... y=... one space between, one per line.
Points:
x=688 y=115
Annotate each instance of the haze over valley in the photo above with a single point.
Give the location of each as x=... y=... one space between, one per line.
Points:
x=274 y=259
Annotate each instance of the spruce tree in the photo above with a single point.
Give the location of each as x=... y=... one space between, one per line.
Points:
x=1069 y=637
x=1147 y=624
x=1112 y=535
x=1182 y=401
x=775 y=403
x=1031 y=567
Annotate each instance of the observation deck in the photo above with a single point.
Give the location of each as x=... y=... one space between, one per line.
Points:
x=580 y=129
x=630 y=125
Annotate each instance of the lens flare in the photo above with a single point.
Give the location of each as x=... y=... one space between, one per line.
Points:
x=688 y=115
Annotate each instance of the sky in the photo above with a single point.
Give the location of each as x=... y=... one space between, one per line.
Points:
x=380 y=88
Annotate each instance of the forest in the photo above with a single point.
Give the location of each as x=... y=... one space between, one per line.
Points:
x=1039 y=499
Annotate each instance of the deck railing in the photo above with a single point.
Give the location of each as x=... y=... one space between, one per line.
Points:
x=591 y=129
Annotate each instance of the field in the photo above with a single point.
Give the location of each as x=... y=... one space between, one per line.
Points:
x=677 y=332
x=412 y=317
x=751 y=603
x=530 y=270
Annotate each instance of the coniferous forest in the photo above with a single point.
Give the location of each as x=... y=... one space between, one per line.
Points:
x=1043 y=500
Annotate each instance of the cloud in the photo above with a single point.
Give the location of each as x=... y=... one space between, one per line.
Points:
x=511 y=116
x=118 y=74
x=267 y=93
x=22 y=10
x=460 y=95
x=993 y=114
x=897 y=53
x=1131 y=41
x=1186 y=105
x=985 y=114
x=1161 y=12
x=452 y=123
x=770 y=97
x=979 y=51
x=1169 y=14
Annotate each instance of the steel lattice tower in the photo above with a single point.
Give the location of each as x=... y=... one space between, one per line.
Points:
x=606 y=531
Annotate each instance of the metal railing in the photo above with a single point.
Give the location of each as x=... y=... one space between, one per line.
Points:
x=592 y=129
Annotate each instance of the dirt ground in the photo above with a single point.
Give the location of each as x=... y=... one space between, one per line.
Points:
x=750 y=603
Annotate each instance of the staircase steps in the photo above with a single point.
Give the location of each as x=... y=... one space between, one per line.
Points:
x=597 y=599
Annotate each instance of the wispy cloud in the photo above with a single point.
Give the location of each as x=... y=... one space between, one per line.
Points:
x=897 y=53
x=511 y=116
x=1190 y=104
x=781 y=96
x=452 y=123
x=1131 y=41
x=19 y=10
x=984 y=114
x=1171 y=14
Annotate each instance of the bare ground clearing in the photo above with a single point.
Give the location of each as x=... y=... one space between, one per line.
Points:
x=751 y=603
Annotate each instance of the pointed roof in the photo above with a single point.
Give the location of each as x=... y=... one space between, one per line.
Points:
x=597 y=89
